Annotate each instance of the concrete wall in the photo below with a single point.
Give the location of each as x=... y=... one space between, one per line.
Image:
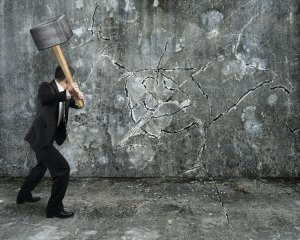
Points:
x=173 y=88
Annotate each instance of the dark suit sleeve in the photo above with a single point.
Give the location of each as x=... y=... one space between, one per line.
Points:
x=47 y=98
x=72 y=103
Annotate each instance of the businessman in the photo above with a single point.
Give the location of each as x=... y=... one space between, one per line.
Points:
x=49 y=125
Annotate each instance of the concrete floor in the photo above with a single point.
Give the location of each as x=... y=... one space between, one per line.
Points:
x=157 y=209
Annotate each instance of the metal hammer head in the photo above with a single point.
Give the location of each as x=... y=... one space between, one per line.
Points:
x=52 y=32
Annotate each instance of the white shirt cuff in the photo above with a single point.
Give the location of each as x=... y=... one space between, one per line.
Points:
x=68 y=94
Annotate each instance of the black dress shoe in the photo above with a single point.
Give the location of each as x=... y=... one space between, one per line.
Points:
x=29 y=199
x=61 y=214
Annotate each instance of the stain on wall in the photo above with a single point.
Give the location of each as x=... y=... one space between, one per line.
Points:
x=172 y=88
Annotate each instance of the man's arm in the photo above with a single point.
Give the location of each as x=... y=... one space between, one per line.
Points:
x=45 y=96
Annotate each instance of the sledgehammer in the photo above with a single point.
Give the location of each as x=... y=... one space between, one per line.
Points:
x=52 y=33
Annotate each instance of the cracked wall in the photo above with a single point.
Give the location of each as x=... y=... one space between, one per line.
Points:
x=172 y=88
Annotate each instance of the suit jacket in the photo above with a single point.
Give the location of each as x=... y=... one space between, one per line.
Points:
x=44 y=129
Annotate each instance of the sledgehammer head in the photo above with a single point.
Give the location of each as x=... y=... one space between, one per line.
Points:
x=52 y=32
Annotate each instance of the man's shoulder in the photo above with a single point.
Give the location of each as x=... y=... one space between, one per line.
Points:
x=46 y=84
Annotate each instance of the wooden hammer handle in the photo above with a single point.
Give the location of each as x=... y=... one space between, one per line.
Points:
x=64 y=65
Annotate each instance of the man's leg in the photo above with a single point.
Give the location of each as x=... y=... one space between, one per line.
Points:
x=32 y=180
x=59 y=170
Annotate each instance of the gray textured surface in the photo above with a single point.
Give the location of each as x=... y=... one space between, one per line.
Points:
x=172 y=88
x=149 y=209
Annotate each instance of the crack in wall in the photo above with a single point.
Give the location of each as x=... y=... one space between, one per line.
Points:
x=177 y=68
x=219 y=195
x=281 y=77
x=292 y=130
x=160 y=59
x=145 y=105
x=152 y=110
x=222 y=204
x=166 y=69
x=150 y=134
x=123 y=67
x=158 y=70
x=180 y=130
x=241 y=99
x=131 y=112
x=99 y=32
x=146 y=69
x=281 y=87
x=209 y=63
x=202 y=69
x=276 y=75
x=170 y=114
x=148 y=77
x=237 y=55
x=178 y=86
x=152 y=94
x=99 y=36
x=128 y=100
x=93 y=18
x=203 y=165
x=204 y=94
x=118 y=65
x=201 y=149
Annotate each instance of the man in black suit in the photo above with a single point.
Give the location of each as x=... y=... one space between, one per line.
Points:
x=54 y=100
